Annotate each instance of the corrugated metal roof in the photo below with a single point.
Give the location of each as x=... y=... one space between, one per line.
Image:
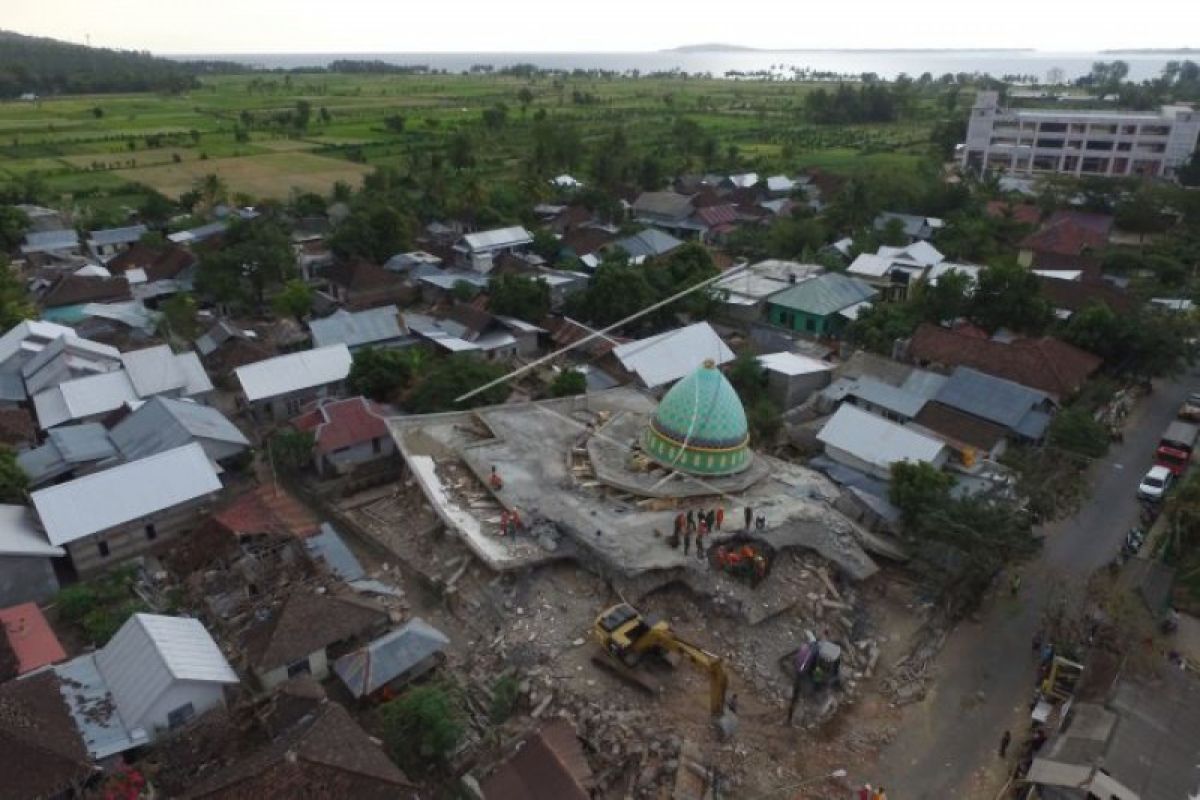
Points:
x=110 y=236
x=780 y=183
x=86 y=694
x=891 y=398
x=648 y=244
x=83 y=397
x=669 y=356
x=357 y=328
x=793 y=364
x=330 y=548
x=49 y=241
x=30 y=336
x=294 y=372
x=79 y=443
x=994 y=399
x=153 y=370
x=922 y=253
x=195 y=377
x=20 y=536
x=498 y=238
x=390 y=656
x=877 y=441
x=163 y=424
x=150 y=653
x=824 y=295
x=104 y=500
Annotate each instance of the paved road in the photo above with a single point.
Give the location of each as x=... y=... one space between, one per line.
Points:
x=985 y=673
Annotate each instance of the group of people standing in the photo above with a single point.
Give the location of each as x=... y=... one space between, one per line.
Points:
x=698 y=524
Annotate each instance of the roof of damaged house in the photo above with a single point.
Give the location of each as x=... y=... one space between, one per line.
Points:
x=373 y=666
x=65 y=448
x=1048 y=364
x=17 y=427
x=40 y=742
x=1070 y=233
x=124 y=493
x=267 y=509
x=294 y=372
x=160 y=263
x=667 y=357
x=548 y=765
x=360 y=275
x=307 y=622
x=303 y=746
x=74 y=290
x=358 y=328
x=162 y=424
x=336 y=424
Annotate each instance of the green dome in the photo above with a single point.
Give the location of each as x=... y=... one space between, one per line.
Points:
x=700 y=426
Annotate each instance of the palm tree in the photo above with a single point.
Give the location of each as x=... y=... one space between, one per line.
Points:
x=211 y=189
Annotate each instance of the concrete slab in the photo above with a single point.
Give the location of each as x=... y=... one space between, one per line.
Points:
x=613 y=532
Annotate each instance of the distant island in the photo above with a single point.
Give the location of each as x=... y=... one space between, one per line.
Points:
x=1150 y=51
x=735 y=48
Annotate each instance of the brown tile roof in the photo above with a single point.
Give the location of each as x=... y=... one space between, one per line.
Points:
x=16 y=427
x=322 y=754
x=308 y=622
x=1020 y=212
x=1070 y=233
x=1076 y=295
x=360 y=275
x=959 y=429
x=160 y=263
x=76 y=289
x=550 y=766
x=570 y=218
x=583 y=241
x=267 y=509
x=713 y=216
x=1048 y=364
x=42 y=749
x=473 y=319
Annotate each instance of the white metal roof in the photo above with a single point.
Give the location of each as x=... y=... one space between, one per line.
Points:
x=153 y=370
x=356 y=328
x=875 y=440
x=195 y=378
x=103 y=500
x=499 y=238
x=294 y=372
x=93 y=271
x=780 y=183
x=19 y=534
x=872 y=266
x=971 y=271
x=921 y=252
x=151 y=652
x=793 y=364
x=31 y=336
x=83 y=397
x=669 y=356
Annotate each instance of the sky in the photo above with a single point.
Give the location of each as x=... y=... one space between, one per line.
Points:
x=380 y=26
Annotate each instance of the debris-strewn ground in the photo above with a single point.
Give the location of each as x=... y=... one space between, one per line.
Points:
x=536 y=624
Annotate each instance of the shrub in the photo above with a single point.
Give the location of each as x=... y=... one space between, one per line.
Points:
x=422 y=726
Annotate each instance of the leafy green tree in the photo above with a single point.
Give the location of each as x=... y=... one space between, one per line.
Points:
x=1009 y=296
x=945 y=301
x=422 y=727
x=13 y=224
x=1076 y=430
x=291 y=449
x=14 y=300
x=917 y=487
x=792 y=237
x=211 y=190
x=180 y=316
x=519 y=296
x=525 y=98
x=616 y=291
x=256 y=254
x=496 y=117
x=295 y=300
x=764 y=421
x=13 y=481
x=307 y=204
x=878 y=327
x=546 y=244
x=567 y=383
x=450 y=378
x=303 y=114
x=748 y=377
x=379 y=373
x=375 y=230
x=1140 y=344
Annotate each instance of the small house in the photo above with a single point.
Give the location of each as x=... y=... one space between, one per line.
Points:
x=107 y=517
x=392 y=660
x=372 y=327
x=295 y=639
x=792 y=378
x=155 y=675
x=67 y=358
x=25 y=340
x=358 y=283
x=346 y=433
x=163 y=423
x=29 y=639
x=279 y=387
x=104 y=244
x=478 y=251
x=645 y=245
x=823 y=306
x=871 y=444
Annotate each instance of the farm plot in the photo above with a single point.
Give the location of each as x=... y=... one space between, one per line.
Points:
x=273 y=175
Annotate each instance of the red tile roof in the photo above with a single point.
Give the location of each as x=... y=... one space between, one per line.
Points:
x=160 y=263
x=31 y=638
x=1048 y=364
x=267 y=509
x=1070 y=233
x=712 y=216
x=1077 y=295
x=583 y=241
x=343 y=423
x=1020 y=212
x=360 y=275
x=550 y=766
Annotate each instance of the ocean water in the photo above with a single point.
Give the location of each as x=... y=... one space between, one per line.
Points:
x=887 y=64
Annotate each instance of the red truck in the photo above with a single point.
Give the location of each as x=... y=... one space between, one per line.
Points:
x=1175 y=448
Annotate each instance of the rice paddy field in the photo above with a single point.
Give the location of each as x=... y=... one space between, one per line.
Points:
x=110 y=147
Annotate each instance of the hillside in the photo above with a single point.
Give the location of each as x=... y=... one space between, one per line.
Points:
x=48 y=66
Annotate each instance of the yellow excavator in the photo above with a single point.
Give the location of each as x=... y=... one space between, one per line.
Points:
x=627 y=638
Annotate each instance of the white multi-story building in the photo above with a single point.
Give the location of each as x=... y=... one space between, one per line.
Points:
x=1105 y=143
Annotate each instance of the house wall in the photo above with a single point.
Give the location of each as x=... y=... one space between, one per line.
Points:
x=26 y=579
x=789 y=391
x=130 y=540
x=804 y=322
x=203 y=697
x=318 y=664
x=341 y=461
x=854 y=462
x=286 y=406
x=218 y=450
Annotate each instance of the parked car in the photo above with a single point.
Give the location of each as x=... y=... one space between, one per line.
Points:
x=1156 y=483
x=1190 y=410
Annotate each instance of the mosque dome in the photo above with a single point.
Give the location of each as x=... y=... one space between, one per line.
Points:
x=700 y=426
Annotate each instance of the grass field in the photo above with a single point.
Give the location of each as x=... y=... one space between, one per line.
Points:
x=95 y=148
